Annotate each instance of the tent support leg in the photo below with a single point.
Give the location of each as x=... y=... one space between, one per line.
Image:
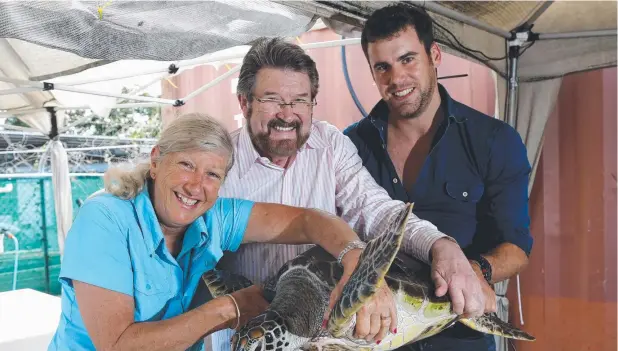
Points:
x=513 y=85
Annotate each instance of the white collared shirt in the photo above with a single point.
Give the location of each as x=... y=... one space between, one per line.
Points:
x=327 y=174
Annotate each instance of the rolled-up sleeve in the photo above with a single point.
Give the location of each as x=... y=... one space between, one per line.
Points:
x=368 y=208
x=506 y=190
x=96 y=250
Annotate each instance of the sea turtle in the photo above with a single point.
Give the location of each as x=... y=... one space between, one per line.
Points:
x=299 y=296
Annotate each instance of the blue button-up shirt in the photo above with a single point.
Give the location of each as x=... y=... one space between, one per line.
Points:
x=118 y=245
x=473 y=184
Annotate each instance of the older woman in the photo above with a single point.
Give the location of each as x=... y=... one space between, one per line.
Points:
x=135 y=254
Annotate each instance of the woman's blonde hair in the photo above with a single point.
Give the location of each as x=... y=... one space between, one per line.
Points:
x=192 y=131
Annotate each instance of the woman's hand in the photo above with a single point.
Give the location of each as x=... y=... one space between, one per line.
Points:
x=250 y=302
x=378 y=315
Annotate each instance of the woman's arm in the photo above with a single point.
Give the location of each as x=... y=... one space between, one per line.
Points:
x=281 y=224
x=108 y=317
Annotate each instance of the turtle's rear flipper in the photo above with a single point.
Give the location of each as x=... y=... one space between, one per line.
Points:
x=373 y=264
x=490 y=323
x=220 y=282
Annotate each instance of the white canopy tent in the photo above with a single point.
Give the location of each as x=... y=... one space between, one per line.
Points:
x=50 y=47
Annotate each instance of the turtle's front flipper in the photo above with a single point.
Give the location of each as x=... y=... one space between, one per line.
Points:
x=490 y=323
x=373 y=264
x=221 y=282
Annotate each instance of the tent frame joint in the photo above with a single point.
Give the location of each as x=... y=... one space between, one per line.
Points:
x=48 y=86
x=172 y=69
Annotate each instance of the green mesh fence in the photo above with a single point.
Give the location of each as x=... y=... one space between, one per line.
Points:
x=27 y=204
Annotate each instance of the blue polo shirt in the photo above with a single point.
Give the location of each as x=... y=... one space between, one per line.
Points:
x=473 y=184
x=118 y=245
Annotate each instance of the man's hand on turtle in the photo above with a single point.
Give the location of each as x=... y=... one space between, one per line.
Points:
x=451 y=272
x=488 y=291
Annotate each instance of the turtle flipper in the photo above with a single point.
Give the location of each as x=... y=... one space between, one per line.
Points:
x=221 y=282
x=490 y=323
x=373 y=264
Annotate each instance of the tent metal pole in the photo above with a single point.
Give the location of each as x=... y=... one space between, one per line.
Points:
x=51 y=86
x=512 y=97
x=211 y=84
x=11 y=113
x=116 y=77
x=452 y=14
x=585 y=34
x=18 y=91
x=536 y=14
x=127 y=105
x=46 y=175
x=75 y=149
x=39 y=85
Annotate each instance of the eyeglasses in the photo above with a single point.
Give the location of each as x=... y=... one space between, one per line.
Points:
x=299 y=106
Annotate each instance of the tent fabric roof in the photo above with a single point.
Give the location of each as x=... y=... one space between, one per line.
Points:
x=547 y=58
x=49 y=40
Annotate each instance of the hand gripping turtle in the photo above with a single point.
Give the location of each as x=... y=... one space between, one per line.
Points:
x=299 y=295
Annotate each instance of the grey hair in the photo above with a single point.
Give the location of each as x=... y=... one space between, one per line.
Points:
x=275 y=53
x=189 y=132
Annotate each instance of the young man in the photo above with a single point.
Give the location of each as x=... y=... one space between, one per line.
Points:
x=465 y=172
x=283 y=156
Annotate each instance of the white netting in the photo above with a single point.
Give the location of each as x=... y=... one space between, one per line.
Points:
x=148 y=30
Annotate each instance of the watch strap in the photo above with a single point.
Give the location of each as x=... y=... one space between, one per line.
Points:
x=484 y=265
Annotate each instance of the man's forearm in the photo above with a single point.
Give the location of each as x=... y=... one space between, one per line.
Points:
x=327 y=230
x=420 y=235
x=506 y=260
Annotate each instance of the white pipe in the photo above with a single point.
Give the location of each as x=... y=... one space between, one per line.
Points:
x=116 y=77
x=11 y=113
x=62 y=87
x=40 y=151
x=105 y=147
x=521 y=313
x=102 y=137
x=331 y=43
x=120 y=96
x=46 y=175
x=16 y=259
x=22 y=82
x=17 y=91
x=584 y=34
x=211 y=84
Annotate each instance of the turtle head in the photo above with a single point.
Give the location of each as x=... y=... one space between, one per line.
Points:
x=266 y=332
